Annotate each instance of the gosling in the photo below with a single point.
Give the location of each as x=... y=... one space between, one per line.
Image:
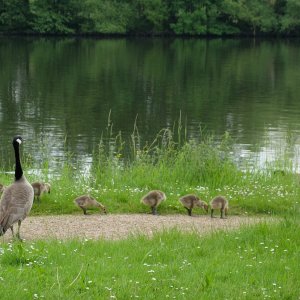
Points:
x=191 y=201
x=85 y=202
x=221 y=203
x=40 y=188
x=153 y=199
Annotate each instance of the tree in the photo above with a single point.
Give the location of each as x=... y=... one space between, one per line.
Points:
x=191 y=22
x=251 y=17
x=57 y=16
x=290 y=22
x=107 y=17
x=188 y=17
x=149 y=16
x=14 y=15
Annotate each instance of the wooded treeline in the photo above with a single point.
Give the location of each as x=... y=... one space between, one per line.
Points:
x=151 y=17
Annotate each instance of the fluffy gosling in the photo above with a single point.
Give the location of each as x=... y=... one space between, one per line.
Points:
x=221 y=203
x=40 y=188
x=85 y=202
x=153 y=199
x=191 y=201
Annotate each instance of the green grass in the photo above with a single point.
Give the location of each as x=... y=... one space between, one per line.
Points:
x=259 y=262
x=119 y=178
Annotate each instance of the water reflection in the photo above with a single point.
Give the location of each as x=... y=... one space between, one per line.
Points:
x=58 y=93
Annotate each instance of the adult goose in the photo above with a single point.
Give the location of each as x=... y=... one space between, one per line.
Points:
x=17 y=198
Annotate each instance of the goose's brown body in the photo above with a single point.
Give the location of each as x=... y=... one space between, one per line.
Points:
x=17 y=198
x=85 y=202
x=40 y=188
x=190 y=201
x=153 y=199
x=221 y=203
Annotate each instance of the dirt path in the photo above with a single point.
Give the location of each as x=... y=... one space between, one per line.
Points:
x=115 y=226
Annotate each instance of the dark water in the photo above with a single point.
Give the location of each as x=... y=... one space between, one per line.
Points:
x=59 y=93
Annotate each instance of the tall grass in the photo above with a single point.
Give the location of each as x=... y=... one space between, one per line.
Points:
x=123 y=170
x=259 y=262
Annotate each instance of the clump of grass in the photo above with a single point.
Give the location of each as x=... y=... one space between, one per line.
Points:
x=253 y=262
x=122 y=171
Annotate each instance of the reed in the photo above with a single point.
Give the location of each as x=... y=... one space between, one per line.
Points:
x=124 y=170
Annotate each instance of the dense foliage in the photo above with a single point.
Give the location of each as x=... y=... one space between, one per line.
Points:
x=180 y=17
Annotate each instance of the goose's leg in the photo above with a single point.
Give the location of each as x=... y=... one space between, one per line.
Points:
x=84 y=210
x=12 y=231
x=222 y=214
x=154 y=210
x=212 y=213
x=18 y=231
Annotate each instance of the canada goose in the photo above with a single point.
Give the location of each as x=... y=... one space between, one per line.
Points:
x=153 y=199
x=40 y=188
x=221 y=203
x=17 y=198
x=86 y=201
x=191 y=201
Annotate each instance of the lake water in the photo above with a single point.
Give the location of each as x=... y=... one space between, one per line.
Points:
x=59 y=92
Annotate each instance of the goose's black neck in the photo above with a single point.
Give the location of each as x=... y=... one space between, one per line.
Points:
x=18 y=169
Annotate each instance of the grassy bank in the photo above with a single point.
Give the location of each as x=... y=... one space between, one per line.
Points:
x=123 y=171
x=257 y=262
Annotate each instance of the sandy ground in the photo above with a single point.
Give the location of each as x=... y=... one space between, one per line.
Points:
x=119 y=226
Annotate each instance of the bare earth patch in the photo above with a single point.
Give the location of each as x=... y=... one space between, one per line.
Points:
x=120 y=226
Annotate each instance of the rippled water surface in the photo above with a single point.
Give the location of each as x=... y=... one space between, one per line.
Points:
x=59 y=93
